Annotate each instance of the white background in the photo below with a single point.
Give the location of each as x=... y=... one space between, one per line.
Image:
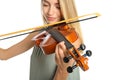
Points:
x=101 y=35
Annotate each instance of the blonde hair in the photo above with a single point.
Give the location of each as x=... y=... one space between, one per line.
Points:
x=68 y=10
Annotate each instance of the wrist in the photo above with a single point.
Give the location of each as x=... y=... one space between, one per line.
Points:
x=62 y=71
x=61 y=74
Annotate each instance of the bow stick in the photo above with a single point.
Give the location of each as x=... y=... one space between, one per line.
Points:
x=35 y=29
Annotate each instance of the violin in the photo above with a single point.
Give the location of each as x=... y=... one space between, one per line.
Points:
x=47 y=43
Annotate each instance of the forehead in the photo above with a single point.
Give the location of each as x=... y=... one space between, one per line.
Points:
x=51 y=1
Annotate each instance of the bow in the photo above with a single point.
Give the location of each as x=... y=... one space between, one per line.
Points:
x=35 y=29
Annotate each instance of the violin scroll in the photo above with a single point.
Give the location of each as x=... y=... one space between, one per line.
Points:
x=81 y=60
x=66 y=59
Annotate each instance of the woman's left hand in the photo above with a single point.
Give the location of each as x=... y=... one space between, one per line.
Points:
x=60 y=53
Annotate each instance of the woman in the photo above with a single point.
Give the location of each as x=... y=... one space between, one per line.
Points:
x=49 y=67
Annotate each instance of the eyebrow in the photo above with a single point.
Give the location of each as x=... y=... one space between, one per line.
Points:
x=46 y=1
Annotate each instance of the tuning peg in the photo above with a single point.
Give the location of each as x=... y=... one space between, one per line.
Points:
x=82 y=47
x=66 y=59
x=70 y=69
x=88 y=53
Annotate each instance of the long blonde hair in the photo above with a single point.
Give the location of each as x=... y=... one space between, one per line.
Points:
x=68 y=10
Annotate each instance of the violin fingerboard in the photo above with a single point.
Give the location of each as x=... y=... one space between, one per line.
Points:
x=60 y=37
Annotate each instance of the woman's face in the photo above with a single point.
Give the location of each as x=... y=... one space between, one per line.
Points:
x=51 y=10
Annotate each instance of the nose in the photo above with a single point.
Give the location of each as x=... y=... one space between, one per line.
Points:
x=51 y=11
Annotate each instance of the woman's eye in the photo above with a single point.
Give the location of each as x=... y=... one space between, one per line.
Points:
x=45 y=5
x=58 y=7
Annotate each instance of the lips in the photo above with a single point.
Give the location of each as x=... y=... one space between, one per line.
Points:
x=50 y=18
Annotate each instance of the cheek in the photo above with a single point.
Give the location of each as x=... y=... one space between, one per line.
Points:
x=44 y=11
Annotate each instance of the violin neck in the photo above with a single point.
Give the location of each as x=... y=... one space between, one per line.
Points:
x=60 y=37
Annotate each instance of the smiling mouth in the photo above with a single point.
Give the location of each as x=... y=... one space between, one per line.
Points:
x=50 y=18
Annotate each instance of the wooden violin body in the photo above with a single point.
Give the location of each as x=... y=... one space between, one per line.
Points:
x=46 y=42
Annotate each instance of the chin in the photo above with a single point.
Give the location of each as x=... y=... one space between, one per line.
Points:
x=53 y=21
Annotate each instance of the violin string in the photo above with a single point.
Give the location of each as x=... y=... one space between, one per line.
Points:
x=47 y=28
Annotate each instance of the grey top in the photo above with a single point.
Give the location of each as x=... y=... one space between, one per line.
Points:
x=43 y=67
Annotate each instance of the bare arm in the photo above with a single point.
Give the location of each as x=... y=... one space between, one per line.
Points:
x=18 y=48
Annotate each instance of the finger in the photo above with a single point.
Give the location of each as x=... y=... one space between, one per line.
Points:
x=60 y=53
x=56 y=54
x=63 y=47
